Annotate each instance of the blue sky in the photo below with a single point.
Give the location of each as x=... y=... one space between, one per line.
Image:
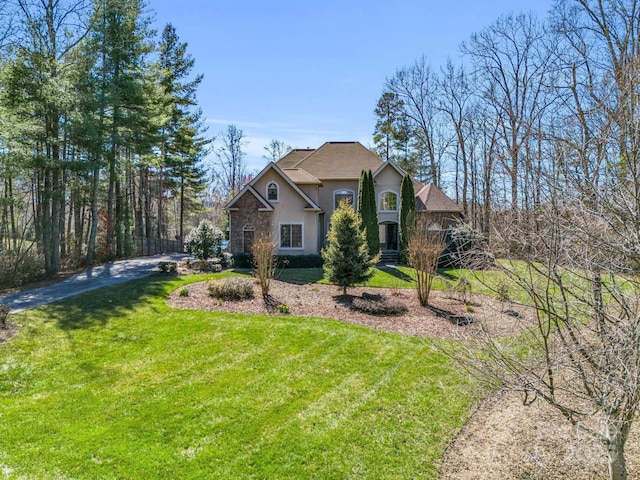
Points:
x=309 y=72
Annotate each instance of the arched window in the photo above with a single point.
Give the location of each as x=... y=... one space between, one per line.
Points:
x=248 y=234
x=273 y=192
x=347 y=196
x=388 y=202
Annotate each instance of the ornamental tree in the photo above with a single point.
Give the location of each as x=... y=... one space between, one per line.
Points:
x=368 y=212
x=346 y=257
x=407 y=215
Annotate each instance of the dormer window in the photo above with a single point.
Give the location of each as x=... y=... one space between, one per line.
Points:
x=388 y=202
x=273 y=194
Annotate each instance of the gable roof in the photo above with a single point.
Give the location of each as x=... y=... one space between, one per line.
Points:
x=334 y=161
x=385 y=165
x=301 y=177
x=248 y=188
x=311 y=205
x=431 y=199
x=293 y=157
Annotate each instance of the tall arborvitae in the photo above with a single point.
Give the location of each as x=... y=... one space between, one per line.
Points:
x=346 y=257
x=373 y=232
x=368 y=213
x=407 y=214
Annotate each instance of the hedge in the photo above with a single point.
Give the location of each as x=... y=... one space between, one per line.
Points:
x=245 y=260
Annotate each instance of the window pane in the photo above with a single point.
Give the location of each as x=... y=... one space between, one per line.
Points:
x=389 y=201
x=272 y=192
x=285 y=236
x=296 y=236
x=346 y=197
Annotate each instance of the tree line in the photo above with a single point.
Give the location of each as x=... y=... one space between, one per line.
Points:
x=100 y=134
x=541 y=129
x=530 y=100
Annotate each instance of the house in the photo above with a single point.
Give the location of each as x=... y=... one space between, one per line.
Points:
x=294 y=198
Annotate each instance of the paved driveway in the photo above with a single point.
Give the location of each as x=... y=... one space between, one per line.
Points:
x=96 y=277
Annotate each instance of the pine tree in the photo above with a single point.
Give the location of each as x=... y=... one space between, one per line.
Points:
x=346 y=258
x=183 y=145
x=120 y=44
x=407 y=214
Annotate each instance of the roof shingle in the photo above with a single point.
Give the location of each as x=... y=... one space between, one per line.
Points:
x=334 y=160
x=431 y=199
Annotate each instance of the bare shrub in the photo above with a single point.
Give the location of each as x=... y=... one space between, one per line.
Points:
x=264 y=261
x=424 y=250
x=20 y=266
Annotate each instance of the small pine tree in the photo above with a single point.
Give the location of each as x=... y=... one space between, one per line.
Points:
x=407 y=215
x=368 y=213
x=346 y=257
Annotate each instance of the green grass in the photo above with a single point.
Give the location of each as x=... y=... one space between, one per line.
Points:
x=115 y=384
x=404 y=277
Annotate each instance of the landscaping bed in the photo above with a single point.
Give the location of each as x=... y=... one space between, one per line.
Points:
x=446 y=317
x=506 y=439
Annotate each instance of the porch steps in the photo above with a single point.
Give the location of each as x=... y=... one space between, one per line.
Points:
x=389 y=256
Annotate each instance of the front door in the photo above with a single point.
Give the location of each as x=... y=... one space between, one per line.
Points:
x=391 y=237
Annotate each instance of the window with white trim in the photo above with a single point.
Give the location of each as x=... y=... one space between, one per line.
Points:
x=273 y=192
x=248 y=234
x=291 y=235
x=388 y=202
x=347 y=196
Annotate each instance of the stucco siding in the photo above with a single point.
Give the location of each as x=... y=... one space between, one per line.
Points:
x=289 y=209
x=325 y=193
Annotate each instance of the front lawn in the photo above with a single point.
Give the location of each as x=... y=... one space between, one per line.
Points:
x=115 y=384
x=401 y=276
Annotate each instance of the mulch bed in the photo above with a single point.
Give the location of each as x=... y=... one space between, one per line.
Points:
x=446 y=316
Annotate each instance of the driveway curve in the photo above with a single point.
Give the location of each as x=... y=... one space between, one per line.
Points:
x=92 y=279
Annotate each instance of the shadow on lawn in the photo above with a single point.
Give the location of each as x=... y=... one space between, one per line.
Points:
x=97 y=307
x=394 y=272
x=300 y=276
x=447 y=275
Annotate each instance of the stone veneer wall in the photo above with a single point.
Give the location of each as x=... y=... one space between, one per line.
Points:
x=248 y=213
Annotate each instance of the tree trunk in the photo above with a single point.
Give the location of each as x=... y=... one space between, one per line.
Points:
x=615 y=453
x=91 y=244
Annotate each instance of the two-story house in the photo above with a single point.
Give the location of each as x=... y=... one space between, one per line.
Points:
x=294 y=198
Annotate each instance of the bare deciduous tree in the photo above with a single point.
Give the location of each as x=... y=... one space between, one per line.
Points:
x=510 y=58
x=416 y=87
x=424 y=249
x=265 y=261
x=233 y=168
x=276 y=149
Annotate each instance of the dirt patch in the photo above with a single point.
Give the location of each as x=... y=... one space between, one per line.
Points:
x=446 y=317
x=7 y=333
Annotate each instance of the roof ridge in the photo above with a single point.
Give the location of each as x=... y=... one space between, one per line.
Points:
x=311 y=152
